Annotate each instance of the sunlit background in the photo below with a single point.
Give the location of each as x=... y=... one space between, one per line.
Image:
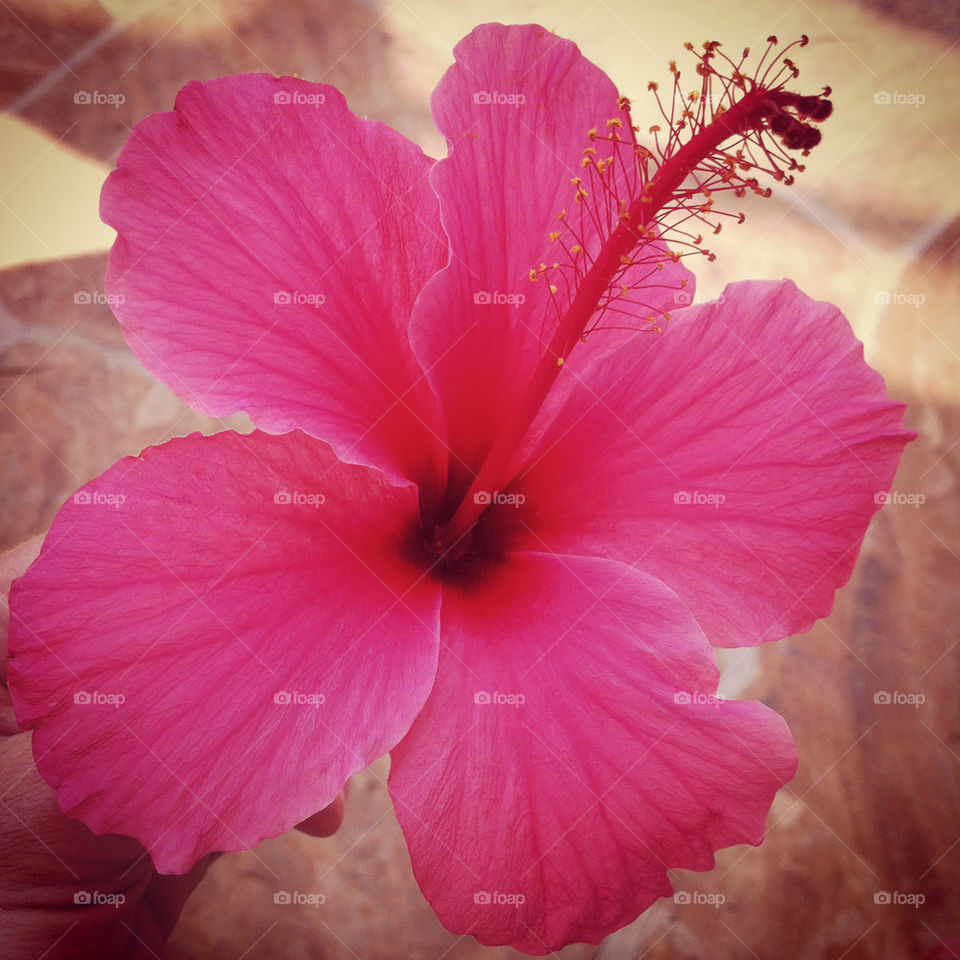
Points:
x=871 y=226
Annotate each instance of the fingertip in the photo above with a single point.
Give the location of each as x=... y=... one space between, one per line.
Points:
x=326 y=822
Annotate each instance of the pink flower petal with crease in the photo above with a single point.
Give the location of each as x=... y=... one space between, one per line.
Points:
x=738 y=457
x=206 y=661
x=270 y=248
x=501 y=189
x=616 y=766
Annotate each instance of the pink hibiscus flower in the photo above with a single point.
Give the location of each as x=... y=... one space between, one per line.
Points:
x=464 y=532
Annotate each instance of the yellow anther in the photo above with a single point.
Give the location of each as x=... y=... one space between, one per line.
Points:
x=553 y=288
x=615 y=122
x=586 y=161
x=575 y=181
x=533 y=275
x=592 y=134
x=590 y=150
x=559 y=361
x=554 y=236
x=562 y=215
x=576 y=248
x=623 y=290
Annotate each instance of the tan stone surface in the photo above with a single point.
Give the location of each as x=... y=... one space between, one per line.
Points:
x=875 y=804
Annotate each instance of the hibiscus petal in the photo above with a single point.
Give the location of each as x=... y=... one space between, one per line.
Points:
x=206 y=660
x=507 y=179
x=616 y=765
x=738 y=458
x=271 y=245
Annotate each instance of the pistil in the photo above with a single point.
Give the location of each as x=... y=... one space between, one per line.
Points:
x=760 y=110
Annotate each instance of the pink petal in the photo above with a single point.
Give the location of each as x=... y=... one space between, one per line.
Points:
x=579 y=798
x=506 y=180
x=264 y=651
x=738 y=458
x=268 y=257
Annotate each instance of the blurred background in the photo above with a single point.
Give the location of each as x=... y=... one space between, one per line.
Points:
x=862 y=857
